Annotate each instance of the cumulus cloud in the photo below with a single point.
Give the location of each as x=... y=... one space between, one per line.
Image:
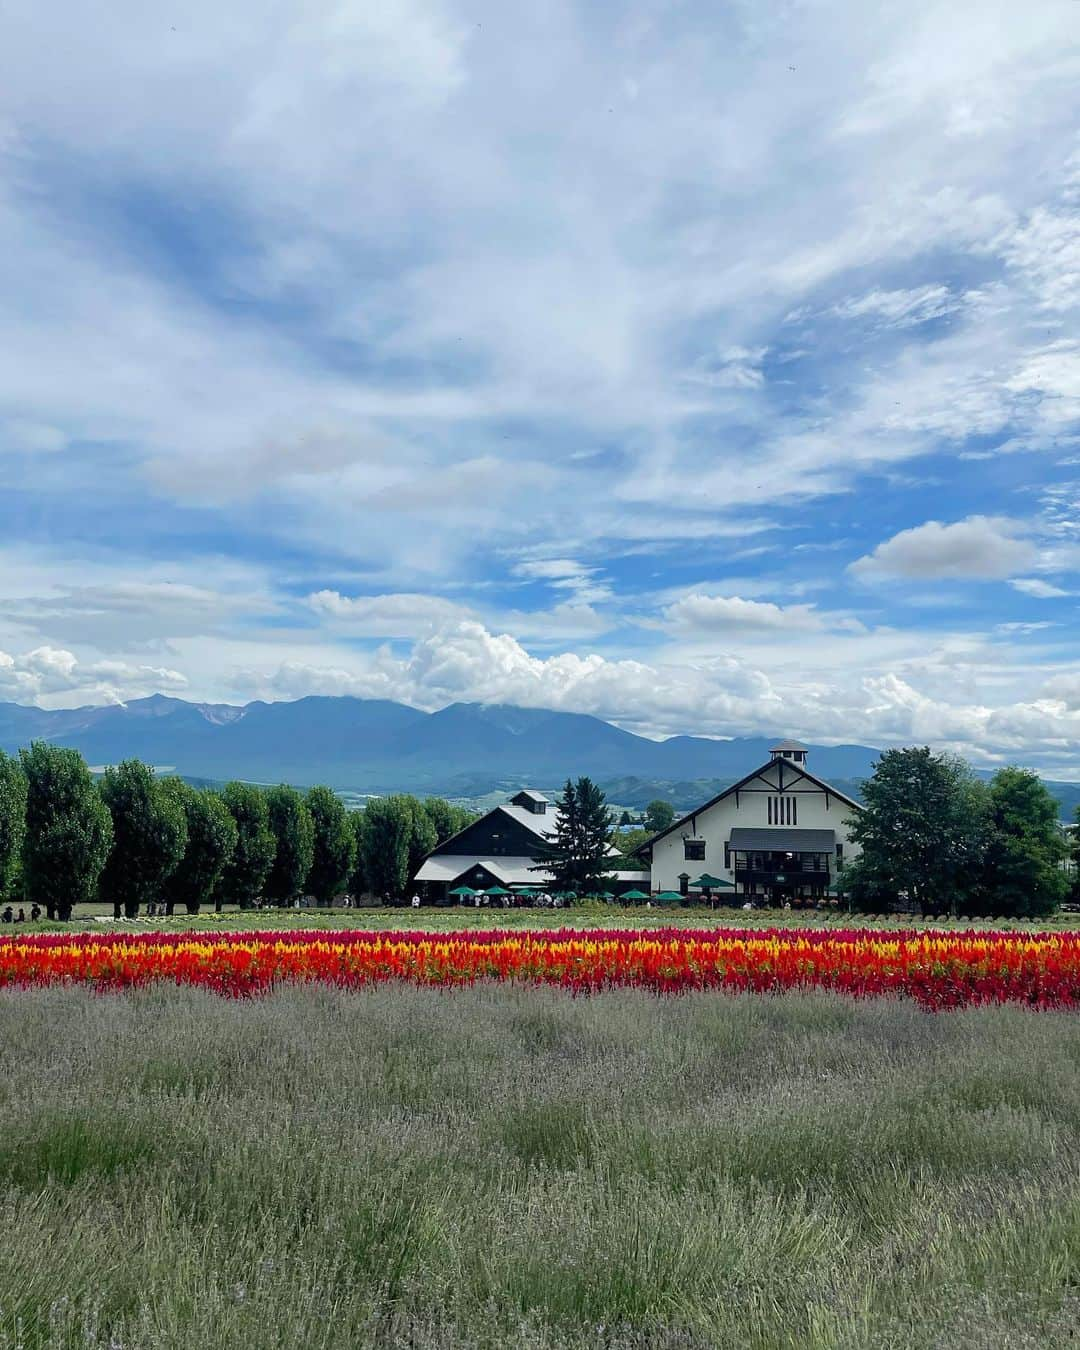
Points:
x=54 y=677
x=719 y=696
x=978 y=548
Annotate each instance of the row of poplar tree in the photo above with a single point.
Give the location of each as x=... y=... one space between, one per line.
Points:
x=131 y=838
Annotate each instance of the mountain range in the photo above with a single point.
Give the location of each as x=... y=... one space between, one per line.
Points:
x=374 y=746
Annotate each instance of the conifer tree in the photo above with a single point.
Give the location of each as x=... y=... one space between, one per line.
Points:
x=576 y=855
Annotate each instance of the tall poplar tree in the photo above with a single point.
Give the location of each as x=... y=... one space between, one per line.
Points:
x=244 y=876
x=211 y=840
x=294 y=836
x=334 y=845
x=68 y=830
x=149 y=836
x=12 y=821
x=385 y=833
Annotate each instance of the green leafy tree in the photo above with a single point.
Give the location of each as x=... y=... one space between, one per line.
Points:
x=422 y=833
x=1023 y=874
x=626 y=819
x=68 y=830
x=335 y=845
x=385 y=834
x=922 y=832
x=658 y=815
x=446 y=818
x=359 y=883
x=577 y=853
x=294 y=836
x=211 y=841
x=12 y=822
x=243 y=878
x=629 y=841
x=149 y=836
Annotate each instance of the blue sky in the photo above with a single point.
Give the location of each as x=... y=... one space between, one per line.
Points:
x=711 y=368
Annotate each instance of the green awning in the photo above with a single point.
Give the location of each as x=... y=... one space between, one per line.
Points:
x=710 y=883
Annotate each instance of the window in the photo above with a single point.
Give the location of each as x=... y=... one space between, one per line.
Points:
x=727 y=856
x=839 y=853
x=694 y=850
x=783 y=811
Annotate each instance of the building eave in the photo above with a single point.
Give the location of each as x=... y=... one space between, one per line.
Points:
x=798 y=769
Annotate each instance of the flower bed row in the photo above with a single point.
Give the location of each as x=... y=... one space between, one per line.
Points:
x=937 y=970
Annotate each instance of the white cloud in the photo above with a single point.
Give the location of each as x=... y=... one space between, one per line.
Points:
x=536 y=332
x=900 y=309
x=1041 y=590
x=53 y=677
x=389 y=616
x=733 y=696
x=718 y=614
x=735 y=368
x=979 y=548
x=564 y=574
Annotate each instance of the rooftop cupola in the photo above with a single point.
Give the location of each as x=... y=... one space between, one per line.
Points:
x=532 y=801
x=790 y=750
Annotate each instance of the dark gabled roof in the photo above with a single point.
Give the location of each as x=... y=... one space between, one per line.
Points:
x=780 y=840
x=541 y=826
x=799 y=769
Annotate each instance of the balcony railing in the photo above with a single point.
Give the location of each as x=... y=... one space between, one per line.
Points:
x=782 y=876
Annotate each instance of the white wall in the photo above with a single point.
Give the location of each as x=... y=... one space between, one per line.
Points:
x=816 y=811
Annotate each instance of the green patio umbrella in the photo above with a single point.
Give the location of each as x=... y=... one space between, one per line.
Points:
x=495 y=890
x=633 y=895
x=529 y=894
x=463 y=890
x=668 y=895
x=711 y=883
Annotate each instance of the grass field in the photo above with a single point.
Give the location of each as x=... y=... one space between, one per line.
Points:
x=584 y=915
x=510 y=1167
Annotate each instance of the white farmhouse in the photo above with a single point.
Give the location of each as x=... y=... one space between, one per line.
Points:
x=780 y=833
